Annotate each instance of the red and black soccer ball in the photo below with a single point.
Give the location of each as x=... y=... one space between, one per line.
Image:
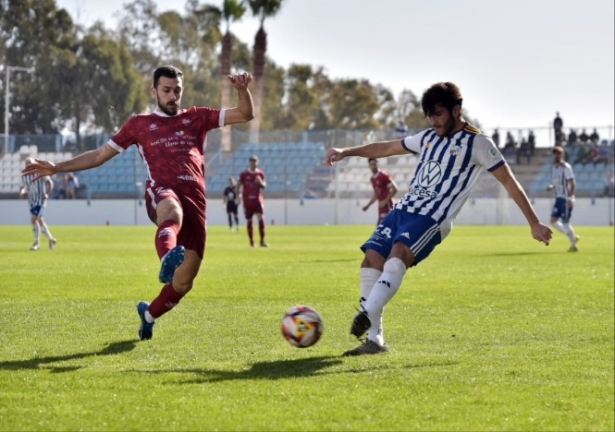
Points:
x=302 y=326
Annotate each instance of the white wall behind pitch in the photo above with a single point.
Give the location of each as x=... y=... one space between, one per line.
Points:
x=294 y=212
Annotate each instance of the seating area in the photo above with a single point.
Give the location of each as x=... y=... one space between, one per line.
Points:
x=119 y=175
x=11 y=165
x=286 y=165
x=590 y=177
x=354 y=176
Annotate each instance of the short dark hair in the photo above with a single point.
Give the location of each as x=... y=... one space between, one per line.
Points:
x=445 y=93
x=253 y=158
x=372 y=159
x=168 y=72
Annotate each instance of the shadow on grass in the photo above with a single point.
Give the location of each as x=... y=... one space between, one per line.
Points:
x=329 y=260
x=513 y=254
x=272 y=370
x=36 y=363
x=282 y=369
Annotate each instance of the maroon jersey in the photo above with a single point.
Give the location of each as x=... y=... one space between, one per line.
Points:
x=171 y=147
x=252 y=191
x=381 y=182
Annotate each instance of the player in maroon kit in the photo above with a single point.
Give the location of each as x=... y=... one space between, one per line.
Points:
x=172 y=143
x=251 y=183
x=385 y=189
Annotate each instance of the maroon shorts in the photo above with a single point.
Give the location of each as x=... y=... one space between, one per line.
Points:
x=251 y=208
x=194 y=226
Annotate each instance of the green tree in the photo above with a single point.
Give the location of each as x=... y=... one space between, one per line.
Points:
x=29 y=29
x=262 y=9
x=354 y=104
x=96 y=82
x=232 y=10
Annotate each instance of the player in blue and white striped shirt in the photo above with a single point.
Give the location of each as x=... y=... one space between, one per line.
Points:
x=562 y=181
x=37 y=191
x=452 y=154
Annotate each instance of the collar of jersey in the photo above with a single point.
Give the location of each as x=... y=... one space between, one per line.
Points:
x=161 y=114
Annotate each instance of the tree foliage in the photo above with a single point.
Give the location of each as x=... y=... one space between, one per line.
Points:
x=92 y=79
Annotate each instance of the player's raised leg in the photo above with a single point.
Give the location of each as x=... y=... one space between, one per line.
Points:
x=169 y=217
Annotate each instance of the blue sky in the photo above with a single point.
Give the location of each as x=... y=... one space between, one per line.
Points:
x=517 y=62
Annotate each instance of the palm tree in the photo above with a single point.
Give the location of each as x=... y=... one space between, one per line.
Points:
x=262 y=9
x=232 y=10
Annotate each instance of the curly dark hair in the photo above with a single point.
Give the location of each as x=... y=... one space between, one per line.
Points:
x=168 y=72
x=445 y=93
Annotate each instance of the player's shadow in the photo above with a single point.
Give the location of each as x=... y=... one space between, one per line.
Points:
x=513 y=254
x=269 y=370
x=316 y=261
x=37 y=362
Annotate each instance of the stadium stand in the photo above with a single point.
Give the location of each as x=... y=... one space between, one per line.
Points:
x=287 y=166
x=297 y=169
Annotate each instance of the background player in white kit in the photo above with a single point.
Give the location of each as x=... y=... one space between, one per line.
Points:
x=38 y=191
x=452 y=154
x=564 y=184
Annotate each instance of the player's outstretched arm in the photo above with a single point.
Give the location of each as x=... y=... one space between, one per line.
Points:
x=505 y=176
x=244 y=111
x=87 y=160
x=372 y=150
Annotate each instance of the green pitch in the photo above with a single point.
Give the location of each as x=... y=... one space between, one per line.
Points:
x=493 y=332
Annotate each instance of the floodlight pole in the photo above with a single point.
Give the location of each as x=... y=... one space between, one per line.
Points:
x=7 y=98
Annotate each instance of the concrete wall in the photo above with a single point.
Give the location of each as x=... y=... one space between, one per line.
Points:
x=293 y=212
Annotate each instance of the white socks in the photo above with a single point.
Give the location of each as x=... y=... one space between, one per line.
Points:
x=381 y=293
x=36 y=232
x=369 y=277
x=566 y=229
x=148 y=317
x=570 y=233
x=45 y=231
x=558 y=226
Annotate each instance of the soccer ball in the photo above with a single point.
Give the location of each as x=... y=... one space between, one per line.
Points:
x=302 y=326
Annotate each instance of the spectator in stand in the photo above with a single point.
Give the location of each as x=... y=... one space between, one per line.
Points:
x=558 y=125
x=594 y=136
x=531 y=140
x=496 y=138
x=609 y=185
x=602 y=154
x=524 y=150
x=583 y=137
x=572 y=138
x=511 y=144
x=582 y=154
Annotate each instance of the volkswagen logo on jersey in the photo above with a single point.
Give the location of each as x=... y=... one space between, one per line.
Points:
x=430 y=174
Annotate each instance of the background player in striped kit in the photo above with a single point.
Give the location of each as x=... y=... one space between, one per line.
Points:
x=384 y=187
x=564 y=184
x=452 y=155
x=38 y=191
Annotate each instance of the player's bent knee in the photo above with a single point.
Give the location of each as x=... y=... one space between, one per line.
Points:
x=395 y=265
x=373 y=260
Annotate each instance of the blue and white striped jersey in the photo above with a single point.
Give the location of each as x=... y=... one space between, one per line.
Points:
x=448 y=168
x=560 y=175
x=36 y=190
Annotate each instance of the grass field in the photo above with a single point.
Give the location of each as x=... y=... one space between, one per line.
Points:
x=493 y=332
